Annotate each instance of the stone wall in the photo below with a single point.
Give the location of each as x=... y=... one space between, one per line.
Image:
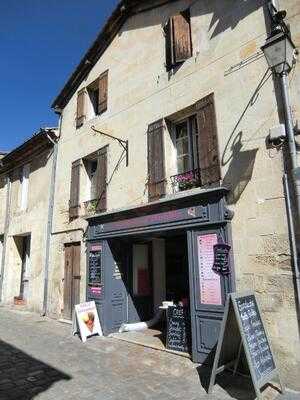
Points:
x=31 y=221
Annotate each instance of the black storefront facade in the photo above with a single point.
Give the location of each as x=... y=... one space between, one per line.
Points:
x=188 y=228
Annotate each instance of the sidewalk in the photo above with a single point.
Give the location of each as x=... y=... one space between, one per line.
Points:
x=39 y=359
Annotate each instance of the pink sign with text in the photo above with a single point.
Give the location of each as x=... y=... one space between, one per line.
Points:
x=210 y=283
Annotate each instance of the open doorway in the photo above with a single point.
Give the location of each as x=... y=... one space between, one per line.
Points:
x=23 y=247
x=177 y=270
x=160 y=274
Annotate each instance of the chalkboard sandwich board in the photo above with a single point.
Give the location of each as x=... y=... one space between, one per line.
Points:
x=242 y=329
x=178 y=329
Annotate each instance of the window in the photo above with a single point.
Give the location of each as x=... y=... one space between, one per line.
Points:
x=92 y=101
x=195 y=140
x=186 y=145
x=178 y=39
x=94 y=189
x=93 y=92
x=91 y=168
x=24 y=184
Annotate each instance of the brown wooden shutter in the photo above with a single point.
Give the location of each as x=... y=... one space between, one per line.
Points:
x=75 y=190
x=208 y=141
x=80 y=116
x=103 y=88
x=182 y=37
x=156 y=161
x=102 y=180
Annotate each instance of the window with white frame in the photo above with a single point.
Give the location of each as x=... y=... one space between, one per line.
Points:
x=24 y=186
x=186 y=143
x=186 y=139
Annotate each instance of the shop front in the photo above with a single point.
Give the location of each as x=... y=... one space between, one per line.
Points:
x=141 y=258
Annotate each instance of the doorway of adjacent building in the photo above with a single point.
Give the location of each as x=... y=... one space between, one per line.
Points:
x=1 y=247
x=71 y=279
x=23 y=247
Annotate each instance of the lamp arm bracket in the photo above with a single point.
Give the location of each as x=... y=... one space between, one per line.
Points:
x=123 y=143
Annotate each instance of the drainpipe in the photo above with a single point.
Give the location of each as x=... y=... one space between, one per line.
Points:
x=294 y=222
x=50 y=220
x=6 y=226
x=293 y=236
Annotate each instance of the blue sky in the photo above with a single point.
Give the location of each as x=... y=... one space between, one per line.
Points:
x=41 y=42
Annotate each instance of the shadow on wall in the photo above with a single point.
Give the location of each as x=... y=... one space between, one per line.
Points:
x=24 y=377
x=241 y=162
x=225 y=14
x=240 y=169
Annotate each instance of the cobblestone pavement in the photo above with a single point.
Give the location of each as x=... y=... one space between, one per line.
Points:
x=39 y=359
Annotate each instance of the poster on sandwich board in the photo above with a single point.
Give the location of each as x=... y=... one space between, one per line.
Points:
x=86 y=320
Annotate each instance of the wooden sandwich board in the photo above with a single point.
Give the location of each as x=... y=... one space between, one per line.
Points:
x=242 y=329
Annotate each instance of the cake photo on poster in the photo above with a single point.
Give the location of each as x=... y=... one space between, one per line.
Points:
x=86 y=320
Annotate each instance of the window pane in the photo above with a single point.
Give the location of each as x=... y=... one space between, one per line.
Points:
x=181 y=131
x=182 y=146
x=183 y=164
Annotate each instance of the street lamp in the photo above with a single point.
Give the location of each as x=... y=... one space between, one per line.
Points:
x=279 y=51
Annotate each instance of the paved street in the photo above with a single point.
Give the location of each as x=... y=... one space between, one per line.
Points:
x=39 y=359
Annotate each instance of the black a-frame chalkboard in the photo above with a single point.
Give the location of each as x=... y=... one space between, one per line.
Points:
x=242 y=329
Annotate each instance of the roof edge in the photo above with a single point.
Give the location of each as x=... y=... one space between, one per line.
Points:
x=100 y=44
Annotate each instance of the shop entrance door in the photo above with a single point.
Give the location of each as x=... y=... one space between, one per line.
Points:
x=71 y=279
x=207 y=293
x=115 y=292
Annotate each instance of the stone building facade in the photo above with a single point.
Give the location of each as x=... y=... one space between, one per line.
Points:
x=140 y=76
x=128 y=70
x=25 y=175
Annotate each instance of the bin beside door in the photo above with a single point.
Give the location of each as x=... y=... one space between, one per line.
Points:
x=208 y=292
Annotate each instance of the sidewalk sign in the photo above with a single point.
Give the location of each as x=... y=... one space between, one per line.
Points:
x=86 y=320
x=242 y=329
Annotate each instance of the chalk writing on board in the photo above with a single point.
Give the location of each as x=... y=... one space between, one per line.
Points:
x=178 y=329
x=256 y=339
x=95 y=275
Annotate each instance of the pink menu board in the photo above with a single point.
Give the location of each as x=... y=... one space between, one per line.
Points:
x=210 y=284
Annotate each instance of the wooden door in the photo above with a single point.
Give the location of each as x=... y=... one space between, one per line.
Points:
x=208 y=293
x=71 y=278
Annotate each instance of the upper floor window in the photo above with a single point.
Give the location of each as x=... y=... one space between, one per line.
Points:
x=186 y=139
x=196 y=144
x=187 y=153
x=89 y=184
x=24 y=185
x=178 y=39
x=92 y=100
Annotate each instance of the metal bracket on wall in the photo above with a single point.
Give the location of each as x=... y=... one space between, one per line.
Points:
x=123 y=143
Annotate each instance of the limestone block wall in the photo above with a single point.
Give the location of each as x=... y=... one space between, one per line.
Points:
x=33 y=222
x=226 y=61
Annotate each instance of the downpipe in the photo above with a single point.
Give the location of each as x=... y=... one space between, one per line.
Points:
x=293 y=237
x=6 y=227
x=50 y=221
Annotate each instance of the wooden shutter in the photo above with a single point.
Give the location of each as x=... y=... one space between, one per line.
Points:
x=80 y=116
x=103 y=88
x=102 y=179
x=208 y=141
x=75 y=190
x=156 y=161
